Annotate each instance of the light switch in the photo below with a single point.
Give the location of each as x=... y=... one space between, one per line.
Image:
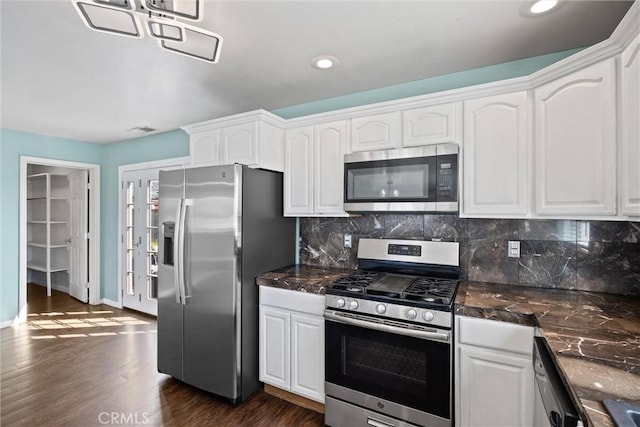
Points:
x=347 y=240
x=513 y=250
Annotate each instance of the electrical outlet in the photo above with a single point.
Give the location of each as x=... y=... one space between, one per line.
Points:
x=347 y=240
x=513 y=250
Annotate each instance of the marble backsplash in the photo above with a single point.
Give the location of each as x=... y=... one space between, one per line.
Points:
x=599 y=256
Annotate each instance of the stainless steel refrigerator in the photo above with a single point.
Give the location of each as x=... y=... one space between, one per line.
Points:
x=221 y=226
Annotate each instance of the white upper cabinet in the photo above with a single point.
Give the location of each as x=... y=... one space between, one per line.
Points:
x=329 y=149
x=431 y=125
x=205 y=148
x=575 y=128
x=240 y=144
x=630 y=129
x=255 y=139
x=378 y=132
x=496 y=155
x=314 y=169
x=298 y=171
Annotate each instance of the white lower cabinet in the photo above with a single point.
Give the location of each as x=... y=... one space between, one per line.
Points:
x=494 y=381
x=292 y=341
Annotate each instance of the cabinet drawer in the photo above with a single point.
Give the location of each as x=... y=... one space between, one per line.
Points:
x=495 y=334
x=303 y=302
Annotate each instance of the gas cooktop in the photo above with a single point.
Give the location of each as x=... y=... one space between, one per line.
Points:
x=420 y=291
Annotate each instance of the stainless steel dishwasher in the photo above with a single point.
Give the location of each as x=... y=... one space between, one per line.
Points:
x=554 y=406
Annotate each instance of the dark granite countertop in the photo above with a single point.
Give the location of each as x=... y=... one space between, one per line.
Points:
x=595 y=337
x=301 y=277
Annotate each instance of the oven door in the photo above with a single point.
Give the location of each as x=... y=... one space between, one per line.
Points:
x=375 y=360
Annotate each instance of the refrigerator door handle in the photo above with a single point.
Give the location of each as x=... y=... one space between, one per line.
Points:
x=177 y=250
x=183 y=229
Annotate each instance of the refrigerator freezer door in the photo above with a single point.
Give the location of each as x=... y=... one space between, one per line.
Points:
x=169 y=306
x=211 y=313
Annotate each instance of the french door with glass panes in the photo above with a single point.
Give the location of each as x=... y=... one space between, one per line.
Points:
x=139 y=241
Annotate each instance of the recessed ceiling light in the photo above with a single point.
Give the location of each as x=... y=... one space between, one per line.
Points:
x=542 y=6
x=324 y=62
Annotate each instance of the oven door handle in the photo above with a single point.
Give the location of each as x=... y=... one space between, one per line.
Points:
x=425 y=335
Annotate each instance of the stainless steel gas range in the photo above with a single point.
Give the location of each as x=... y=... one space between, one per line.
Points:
x=388 y=335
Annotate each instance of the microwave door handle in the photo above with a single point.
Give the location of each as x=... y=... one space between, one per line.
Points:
x=425 y=335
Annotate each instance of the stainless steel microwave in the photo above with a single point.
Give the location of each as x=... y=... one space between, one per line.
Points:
x=421 y=179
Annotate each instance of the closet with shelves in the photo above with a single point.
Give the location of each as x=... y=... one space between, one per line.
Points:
x=48 y=230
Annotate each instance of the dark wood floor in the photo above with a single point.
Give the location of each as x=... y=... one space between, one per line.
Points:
x=79 y=365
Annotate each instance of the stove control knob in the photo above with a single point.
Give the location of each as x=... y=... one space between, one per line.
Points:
x=340 y=303
x=411 y=314
x=381 y=308
x=353 y=305
x=428 y=316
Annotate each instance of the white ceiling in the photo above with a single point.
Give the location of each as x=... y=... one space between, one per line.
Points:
x=59 y=78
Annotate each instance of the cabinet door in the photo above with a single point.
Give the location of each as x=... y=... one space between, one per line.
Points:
x=496 y=388
x=496 y=155
x=275 y=347
x=379 y=132
x=204 y=148
x=431 y=125
x=328 y=154
x=239 y=144
x=298 y=172
x=630 y=129
x=307 y=356
x=576 y=143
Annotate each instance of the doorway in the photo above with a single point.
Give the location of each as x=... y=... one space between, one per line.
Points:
x=139 y=233
x=140 y=240
x=59 y=228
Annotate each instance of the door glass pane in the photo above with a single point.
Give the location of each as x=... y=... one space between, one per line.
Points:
x=130 y=236
x=153 y=187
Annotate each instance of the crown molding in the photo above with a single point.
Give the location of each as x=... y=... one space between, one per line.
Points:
x=236 y=119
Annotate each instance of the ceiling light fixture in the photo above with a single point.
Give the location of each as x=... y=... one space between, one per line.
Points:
x=160 y=18
x=542 y=6
x=324 y=62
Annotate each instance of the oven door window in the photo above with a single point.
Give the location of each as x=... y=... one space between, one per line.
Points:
x=400 y=180
x=409 y=371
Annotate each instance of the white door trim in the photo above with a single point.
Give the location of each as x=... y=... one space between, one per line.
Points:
x=174 y=163
x=94 y=224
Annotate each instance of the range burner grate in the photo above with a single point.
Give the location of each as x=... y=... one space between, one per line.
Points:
x=431 y=289
x=357 y=281
x=425 y=289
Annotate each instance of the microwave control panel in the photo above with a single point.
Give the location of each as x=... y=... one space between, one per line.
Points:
x=447 y=178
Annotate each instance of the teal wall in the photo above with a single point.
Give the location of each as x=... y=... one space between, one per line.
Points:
x=146 y=149
x=492 y=73
x=175 y=144
x=13 y=145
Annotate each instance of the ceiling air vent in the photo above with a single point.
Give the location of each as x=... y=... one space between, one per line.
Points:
x=145 y=129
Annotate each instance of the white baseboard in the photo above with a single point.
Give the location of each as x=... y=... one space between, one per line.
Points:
x=6 y=323
x=112 y=303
